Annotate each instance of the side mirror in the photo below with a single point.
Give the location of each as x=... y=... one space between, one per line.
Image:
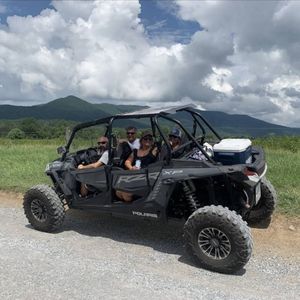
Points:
x=61 y=150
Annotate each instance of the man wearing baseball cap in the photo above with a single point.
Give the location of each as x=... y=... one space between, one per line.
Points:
x=175 y=140
x=175 y=137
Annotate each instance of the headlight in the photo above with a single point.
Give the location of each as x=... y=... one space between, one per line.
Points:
x=47 y=167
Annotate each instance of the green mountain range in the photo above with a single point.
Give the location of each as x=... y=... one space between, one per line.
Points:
x=69 y=108
x=75 y=109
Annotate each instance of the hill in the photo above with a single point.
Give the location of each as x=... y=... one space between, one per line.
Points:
x=72 y=108
x=69 y=108
x=240 y=125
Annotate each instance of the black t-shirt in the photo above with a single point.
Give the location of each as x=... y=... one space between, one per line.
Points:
x=145 y=160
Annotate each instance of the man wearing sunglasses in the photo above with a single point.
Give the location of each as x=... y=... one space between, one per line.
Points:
x=102 y=145
x=133 y=141
x=126 y=147
x=103 y=160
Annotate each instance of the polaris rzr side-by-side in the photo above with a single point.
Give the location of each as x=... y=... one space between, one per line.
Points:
x=211 y=185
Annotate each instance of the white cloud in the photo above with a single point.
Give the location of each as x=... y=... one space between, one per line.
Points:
x=245 y=61
x=265 y=37
x=71 y=10
x=218 y=80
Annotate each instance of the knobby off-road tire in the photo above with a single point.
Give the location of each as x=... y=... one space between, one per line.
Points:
x=43 y=208
x=218 y=239
x=266 y=205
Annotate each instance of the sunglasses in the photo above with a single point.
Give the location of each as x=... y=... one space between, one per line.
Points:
x=148 y=139
x=101 y=143
x=130 y=132
x=173 y=137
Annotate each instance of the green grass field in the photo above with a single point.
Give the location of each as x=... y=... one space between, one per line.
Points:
x=23 y=163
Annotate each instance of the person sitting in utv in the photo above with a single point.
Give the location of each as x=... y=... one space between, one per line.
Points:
x=133 y=141
x=145 y=155
x=103 y=160
x=175 y=137
x=141 y=158
x=126 y=147
x=175 y=140
x=103 y=151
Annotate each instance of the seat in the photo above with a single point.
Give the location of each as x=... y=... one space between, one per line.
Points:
x=122 y=153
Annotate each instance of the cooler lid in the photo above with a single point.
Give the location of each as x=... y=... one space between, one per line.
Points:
x=232 y=145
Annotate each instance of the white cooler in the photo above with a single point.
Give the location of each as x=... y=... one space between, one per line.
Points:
x=233 y=151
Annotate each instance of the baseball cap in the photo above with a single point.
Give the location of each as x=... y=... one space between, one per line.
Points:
x=176 y=132
x=146 y=133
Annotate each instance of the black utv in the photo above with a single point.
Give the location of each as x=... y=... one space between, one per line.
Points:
x=211 y=185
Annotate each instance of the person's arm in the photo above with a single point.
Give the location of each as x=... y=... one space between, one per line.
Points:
x=154 y=151
x=97 y=164
x=101 y=162
x=128 y=162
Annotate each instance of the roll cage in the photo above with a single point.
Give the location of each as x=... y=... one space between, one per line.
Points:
x=154 y=115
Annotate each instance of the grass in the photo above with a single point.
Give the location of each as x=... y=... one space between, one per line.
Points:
x=283 y=159
x=23 y=163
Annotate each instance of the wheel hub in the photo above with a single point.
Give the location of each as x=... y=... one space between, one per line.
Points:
x=214 y=243
x=39 y=210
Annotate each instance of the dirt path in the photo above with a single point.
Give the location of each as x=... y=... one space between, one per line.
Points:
x=10 y=199
x=124 y=259
x=282 y=237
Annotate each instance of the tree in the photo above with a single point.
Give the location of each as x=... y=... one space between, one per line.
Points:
x=16 y=134
x=31 y=127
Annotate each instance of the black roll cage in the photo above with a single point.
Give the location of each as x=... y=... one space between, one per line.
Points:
x=154 y=124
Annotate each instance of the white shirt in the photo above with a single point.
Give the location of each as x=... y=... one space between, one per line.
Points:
x=104 y=157
x=135 y=144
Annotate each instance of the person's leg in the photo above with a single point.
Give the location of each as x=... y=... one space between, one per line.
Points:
x=119 y=194
x=127 y=197
x=83 y=190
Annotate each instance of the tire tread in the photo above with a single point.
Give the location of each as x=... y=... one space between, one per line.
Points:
x=56 y=211
x=226 y=219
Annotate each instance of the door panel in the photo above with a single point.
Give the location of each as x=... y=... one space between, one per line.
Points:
x=96 y=178
x=138 y=182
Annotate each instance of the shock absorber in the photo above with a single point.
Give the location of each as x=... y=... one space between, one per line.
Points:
x=190 y=196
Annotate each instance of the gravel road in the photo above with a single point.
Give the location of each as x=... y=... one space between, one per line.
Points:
x=99 y=257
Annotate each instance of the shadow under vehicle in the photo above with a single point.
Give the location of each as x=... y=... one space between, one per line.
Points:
x=212 y=188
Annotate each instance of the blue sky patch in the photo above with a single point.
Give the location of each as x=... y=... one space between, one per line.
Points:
x=158 y=17
x=162 y=25
x=23 y=8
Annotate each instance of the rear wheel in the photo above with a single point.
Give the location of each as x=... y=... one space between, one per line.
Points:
x=218 y=239
x=266 y=205
x=43 y=208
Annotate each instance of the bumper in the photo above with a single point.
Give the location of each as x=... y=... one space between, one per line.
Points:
x=259 y=163
x=256 y=180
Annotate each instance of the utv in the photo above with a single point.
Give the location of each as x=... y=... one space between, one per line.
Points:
x=213 y=186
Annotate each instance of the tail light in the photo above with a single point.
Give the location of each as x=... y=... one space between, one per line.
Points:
x=249 y=172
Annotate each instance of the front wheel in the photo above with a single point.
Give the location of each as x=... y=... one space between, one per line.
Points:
x=218 y=239
x=43 y=208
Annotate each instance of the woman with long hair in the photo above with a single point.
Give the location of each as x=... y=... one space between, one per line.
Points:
x=140 y=158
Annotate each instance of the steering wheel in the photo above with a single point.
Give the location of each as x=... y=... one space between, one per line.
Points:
x=86 y=156
x=201 y=138
x=181 y=148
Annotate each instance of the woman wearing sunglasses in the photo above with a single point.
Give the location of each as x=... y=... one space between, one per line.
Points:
x=140 y=158
x=145 y=155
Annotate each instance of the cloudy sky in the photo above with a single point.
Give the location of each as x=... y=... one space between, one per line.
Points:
x=237 y=57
